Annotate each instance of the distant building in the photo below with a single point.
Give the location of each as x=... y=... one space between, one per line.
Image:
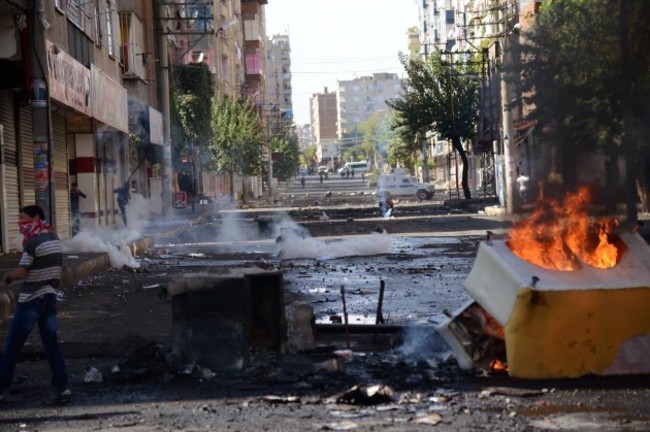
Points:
x=323 y=115
x=361 y=97
x=278 y=76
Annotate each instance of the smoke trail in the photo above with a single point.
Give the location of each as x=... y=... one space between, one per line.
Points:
x=423 y=343
x=113 y=241
x=294 y=242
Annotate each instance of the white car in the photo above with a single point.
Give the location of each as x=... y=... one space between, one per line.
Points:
x=400 y=183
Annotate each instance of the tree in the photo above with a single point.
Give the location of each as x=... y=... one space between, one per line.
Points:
x=285 y=168
x=375 y=132
x=238 y=143
x=441 y=96
x=309 y=155
x=192 y=96
x=586 y=72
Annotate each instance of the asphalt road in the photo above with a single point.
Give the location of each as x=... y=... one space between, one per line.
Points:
x=120 y=322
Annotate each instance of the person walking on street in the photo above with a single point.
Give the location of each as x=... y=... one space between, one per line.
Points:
x=302 y=181
x=123 y=197
x=523 y=180
x=40 y=268
x=352 y=172
x=75 y=193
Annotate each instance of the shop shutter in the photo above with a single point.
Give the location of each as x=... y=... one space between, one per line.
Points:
x=61 y=190
x=11 y=182
x=26 y=157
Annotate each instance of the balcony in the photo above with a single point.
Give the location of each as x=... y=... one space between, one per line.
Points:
x=253 y=63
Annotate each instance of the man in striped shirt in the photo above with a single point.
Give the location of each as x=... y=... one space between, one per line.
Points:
x=40 y=267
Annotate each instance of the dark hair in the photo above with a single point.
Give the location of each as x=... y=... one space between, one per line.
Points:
x=32 y=211
x=74 y=184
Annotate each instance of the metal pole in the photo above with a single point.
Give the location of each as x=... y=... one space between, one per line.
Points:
x=40 y=103
x=380 y=315
x=166 y=178
x=345 y=318
x=507 y=125
x=270 y=180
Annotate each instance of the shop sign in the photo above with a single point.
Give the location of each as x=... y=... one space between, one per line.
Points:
x=69 y=80
x=110 y=102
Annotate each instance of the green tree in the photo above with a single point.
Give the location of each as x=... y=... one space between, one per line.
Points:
x=285 y=168
x=441 y=96
x=192 y=95
x=238 y=144
x=403 y=147
x=376 y=133
x=309 y=155
x=586 y=72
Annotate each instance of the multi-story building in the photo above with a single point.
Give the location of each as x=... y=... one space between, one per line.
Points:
x=278 y=79
x=139 y=78
x=323 y=116
x=254 y=49
x=437 y=25
x=63 y=111
x=359 y=98
x=229 y=47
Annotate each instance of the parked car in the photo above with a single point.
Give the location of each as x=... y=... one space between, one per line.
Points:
x=399 y=183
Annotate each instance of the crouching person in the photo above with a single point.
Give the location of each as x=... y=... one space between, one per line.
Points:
x=40 y=268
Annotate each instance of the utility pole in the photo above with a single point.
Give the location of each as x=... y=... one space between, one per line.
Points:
x=507 y=134
x=166 y=177
x=40 y=104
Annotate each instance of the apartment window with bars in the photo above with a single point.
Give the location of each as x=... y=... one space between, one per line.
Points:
x=110 y=37
x=98 y=23
x=74 y=12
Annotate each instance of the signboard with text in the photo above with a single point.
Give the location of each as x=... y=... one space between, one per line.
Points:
x=109 y=100
x=69 y=80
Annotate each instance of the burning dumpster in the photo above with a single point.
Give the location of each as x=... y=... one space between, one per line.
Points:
x=571 y=295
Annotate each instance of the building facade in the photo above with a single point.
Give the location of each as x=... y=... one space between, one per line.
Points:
x=64 y=112
x=361 y=97
x=323 y=115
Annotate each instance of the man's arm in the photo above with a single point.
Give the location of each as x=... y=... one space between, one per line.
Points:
x=82 y=194
x=15 y=274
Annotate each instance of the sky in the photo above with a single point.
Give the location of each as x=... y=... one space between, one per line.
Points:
x=339 y=40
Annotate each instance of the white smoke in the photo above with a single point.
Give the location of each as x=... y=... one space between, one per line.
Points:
x=113 y=241
x=423 y=343
x=86 y=241
x=295 y=242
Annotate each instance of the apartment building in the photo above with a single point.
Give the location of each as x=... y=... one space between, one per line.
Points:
x=63 y=110
x=279 y=92
x=323 y=116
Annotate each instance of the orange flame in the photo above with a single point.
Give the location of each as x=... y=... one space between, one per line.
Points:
x=557 y=234
x=498 y=366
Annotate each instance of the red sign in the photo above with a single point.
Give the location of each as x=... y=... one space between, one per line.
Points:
x=179 y=199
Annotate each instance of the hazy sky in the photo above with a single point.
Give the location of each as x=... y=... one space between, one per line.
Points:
x=339 y=40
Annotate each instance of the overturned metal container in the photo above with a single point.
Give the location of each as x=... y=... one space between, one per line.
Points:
x=559 y=324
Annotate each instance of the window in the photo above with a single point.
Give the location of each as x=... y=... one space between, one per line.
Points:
x=79 y=45
x=449 y=15
x=98 y=24
x=74 y=12
x=109 y=29
x=58 y=4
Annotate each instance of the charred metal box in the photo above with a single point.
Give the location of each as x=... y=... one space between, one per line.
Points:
x=217 y=319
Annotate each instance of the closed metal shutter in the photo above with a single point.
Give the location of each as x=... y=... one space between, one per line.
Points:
x=26 y=157
x=61 y=190
x=10 y=180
